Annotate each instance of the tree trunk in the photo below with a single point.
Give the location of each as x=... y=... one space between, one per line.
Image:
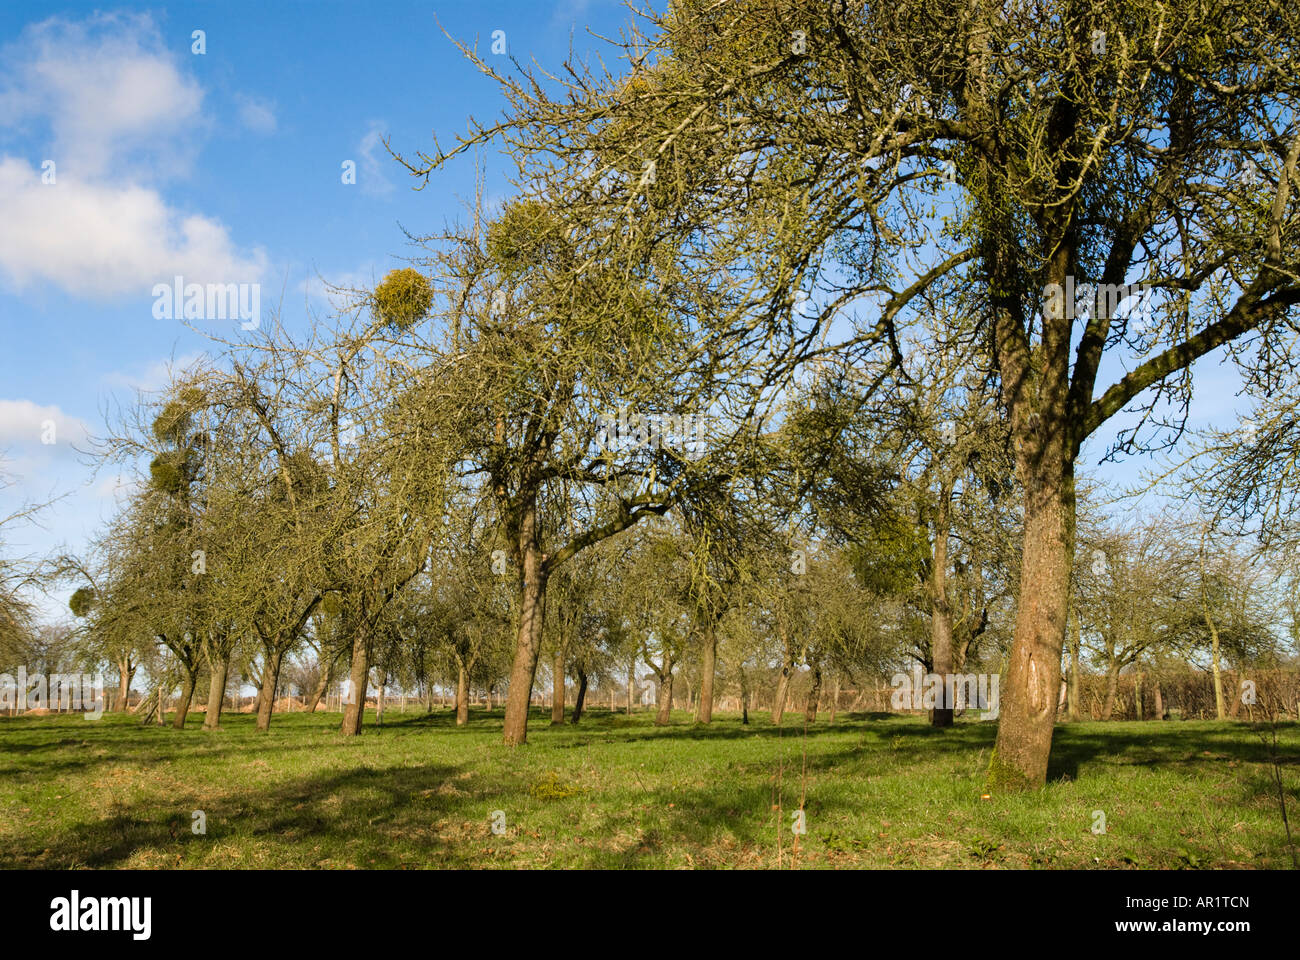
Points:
x=1047 y=421
x=582 y=696
x=782 y=687
x=379 y=702
x=835 y=696
x=744 y=697
x=270 y=683
x=1028 y=705
x=326 y=679
x=358 y=681
x=125 y=671
x=708 y=665
x=664 y=695
x=778 y=699
x=257 y=698
x=1112 y=684
x=1214 y=639
x=462 y=695
x=941 y=611
x=528 y=645
x=1215 y=665
x=216 y=692
x=1137 y=692
x=810 y=708
x=631 y=686
x=1074 y=703
x=557 y=686
x=183 y=704
x=1160 y=703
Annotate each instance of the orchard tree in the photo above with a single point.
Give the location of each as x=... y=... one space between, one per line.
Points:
x=1052 y=154
x=584 y=387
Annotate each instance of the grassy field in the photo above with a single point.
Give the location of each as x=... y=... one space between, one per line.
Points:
x=616 y=791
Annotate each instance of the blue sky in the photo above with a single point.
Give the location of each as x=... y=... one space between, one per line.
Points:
x=223 y=166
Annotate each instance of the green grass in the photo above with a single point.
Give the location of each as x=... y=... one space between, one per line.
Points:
x=616 y=791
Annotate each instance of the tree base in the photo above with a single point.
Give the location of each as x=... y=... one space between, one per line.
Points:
x=1004 y=778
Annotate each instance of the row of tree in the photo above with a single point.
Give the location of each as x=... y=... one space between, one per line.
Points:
x=821 y=290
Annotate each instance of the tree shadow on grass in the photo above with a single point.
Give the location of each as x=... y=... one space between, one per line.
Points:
x=713 y=825
x=341 y=809
x=1260 y=789
x=1159 y=743
x=719 y=827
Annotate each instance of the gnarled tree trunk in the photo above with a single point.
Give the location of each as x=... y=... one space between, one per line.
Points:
x=183 y=704
x=270 y=683
x=557 y=686
x=581 y=697
x=1028 y=705
x=354 y=712
x=1112 y=684
x=327 y=677
x=664 y=693
x=125 y=671
x=216 y=692
x=1074 y=703
x=810 y=708
x=744 y=697
x=528 y=645
x=708 y=666
x=941 y=611
x=462 y=695
x=1046 y=425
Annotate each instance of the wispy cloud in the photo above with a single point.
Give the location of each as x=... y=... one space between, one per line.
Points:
x=111 y=110
x=100 y=240
x=154 y=376
x=108 y=90
x=28 y=426
x=256 y=114
x=375 y=163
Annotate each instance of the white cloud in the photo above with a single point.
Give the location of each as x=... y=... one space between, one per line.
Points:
x=99 y=240
x=374 y=162
x=256 y=114
x=25 y=425
x=112 y=101
x=40 y=447
x=108 y=88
